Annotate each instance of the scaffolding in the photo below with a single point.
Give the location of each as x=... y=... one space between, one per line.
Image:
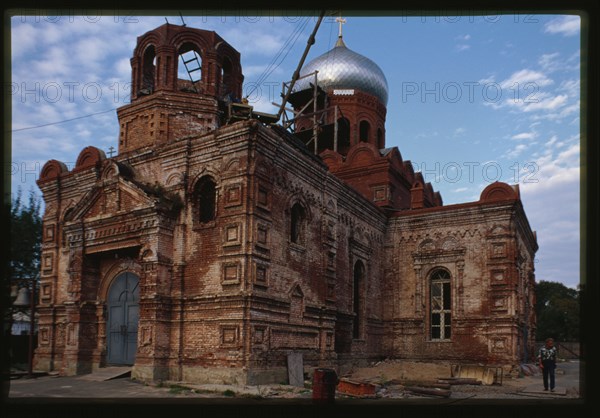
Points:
x=311 y=105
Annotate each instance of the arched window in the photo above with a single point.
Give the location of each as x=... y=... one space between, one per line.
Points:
x=359 y=274
x=380 y=143
x=440 y=305
x=343 y=135
x=190 y=63
x=205 y=197
x=226 y=70
x=148 y=70
x=364 y=130
x=298 y=218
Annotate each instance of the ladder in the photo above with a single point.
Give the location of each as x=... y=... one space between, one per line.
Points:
x=193 y=68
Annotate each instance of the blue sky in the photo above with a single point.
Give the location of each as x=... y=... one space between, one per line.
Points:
x=473 y=99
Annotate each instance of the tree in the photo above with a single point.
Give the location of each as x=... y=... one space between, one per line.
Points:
x=25 y=237
x=557 y=311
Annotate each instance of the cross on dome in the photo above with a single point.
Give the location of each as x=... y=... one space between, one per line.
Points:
x=341 y=21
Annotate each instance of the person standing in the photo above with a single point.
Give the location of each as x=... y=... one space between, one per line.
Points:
x=547 y=360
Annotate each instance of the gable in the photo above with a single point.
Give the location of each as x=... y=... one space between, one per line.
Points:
x=107 y=199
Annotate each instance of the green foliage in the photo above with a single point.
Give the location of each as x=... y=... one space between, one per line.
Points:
x=557 y=311
x=25 y=236
x=177 y=389
x=228 y=393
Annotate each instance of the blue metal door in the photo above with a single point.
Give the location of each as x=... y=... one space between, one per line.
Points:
x=123 y=314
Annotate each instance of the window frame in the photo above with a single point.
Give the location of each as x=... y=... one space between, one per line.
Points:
x=440 y=305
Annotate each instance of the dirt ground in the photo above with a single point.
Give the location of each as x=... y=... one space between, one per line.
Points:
x=392 y=379
x=402 y=370
x=394 y=376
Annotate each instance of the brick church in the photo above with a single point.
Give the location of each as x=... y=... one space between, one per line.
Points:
x=217 y=241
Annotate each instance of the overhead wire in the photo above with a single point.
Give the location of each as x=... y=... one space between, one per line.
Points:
x=292 y=38
x=62 y=121
x=274 y=64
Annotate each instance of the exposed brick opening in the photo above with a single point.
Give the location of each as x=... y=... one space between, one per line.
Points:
x=205 y=199
x=226 y=76
x=380 y=143
x=148 y=70
x=298 y=218
x=189 y=63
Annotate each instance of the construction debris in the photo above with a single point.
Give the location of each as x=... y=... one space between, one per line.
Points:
x=419 y=383
x=444 y=393
x=459 y=381
x=355 y=388
x=487 y=375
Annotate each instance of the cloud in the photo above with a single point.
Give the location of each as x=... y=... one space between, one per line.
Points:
x=123 y=69
x=554 y=62
x=551 y=141
x=571 y=87
x=550 y=195
x=561 y=114
x=459 y=131
x=516 y=151
x=524 y=135
x=260 y=43
x=564 y=25
x=462 y=45
x=546 y=103
x=521 y=78
x=548 y=61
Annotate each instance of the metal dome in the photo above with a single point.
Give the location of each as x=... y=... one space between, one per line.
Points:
x=342 y=68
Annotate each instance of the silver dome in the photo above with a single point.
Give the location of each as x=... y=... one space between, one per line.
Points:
x=342 y=68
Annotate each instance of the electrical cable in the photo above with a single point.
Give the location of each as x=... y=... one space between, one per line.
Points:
x=62 y=121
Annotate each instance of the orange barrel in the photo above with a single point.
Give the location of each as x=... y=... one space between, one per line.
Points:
x=324 y=383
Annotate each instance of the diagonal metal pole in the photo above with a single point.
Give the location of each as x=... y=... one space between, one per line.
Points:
x=309 y=43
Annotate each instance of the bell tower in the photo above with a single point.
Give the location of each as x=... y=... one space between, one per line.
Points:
x=181 y=78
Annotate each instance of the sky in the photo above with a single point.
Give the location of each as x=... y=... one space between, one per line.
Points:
x=472 y=99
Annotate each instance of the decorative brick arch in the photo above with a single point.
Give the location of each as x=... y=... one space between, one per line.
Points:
x=144 y=41
x=206 y=172
x=499 y=191
x=299 y=198
x=362 y=154
x=53 y=169
x=89 y=157
x=120 y=266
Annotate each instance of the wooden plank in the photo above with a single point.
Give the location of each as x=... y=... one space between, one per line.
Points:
x=460 y=381
x=295 y=369
x=444 y=393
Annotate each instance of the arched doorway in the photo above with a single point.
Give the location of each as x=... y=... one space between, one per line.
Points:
x=122 y=322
